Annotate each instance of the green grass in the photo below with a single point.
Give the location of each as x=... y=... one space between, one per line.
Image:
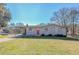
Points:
x=32 y=46
x=3 y=36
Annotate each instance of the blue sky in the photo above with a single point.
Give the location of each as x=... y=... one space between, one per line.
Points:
x=35 y=13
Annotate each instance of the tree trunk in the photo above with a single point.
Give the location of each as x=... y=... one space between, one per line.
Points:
x=73 y=33
x=66 y=31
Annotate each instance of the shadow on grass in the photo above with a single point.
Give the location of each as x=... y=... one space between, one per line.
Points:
x=47 y=37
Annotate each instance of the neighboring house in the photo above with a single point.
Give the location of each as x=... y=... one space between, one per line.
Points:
x=49 y=29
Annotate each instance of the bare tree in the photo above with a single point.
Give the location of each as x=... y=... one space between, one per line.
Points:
x=74 y=17
x=65 y=17
x=61 y=17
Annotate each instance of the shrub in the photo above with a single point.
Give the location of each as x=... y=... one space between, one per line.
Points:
x=60 y=35
x=49 y=34
x=42 y=35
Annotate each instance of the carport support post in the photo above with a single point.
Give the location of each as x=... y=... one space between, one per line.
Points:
x=26 y=28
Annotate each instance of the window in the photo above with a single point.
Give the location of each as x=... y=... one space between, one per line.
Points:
x=46 y=29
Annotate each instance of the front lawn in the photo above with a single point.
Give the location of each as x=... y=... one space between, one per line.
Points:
x=41 y=46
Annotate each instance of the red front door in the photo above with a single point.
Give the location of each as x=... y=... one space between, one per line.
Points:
x=38 y=30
